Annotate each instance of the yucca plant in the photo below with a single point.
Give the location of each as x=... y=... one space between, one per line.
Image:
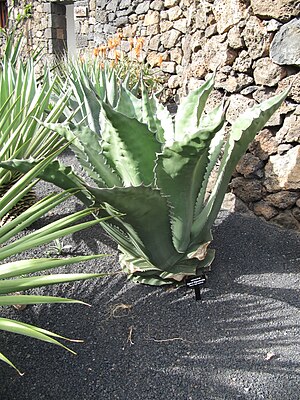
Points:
x=156 y=171
x=23 y=101
x=16 y=276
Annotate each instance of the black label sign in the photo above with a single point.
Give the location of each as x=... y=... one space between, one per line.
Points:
x=195 y=283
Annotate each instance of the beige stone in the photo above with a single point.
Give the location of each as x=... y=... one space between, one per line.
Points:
x=228 y=13
x=169 y=39
x=168 y=66
x=153 y=58
x=282 y=10
x=200 y=18
x=194 y=83
x=157 y=5
x=284 y=148
x=174 y=13
x=211 y=30
x=264 y=145
x=151 y=18
x=92 y=5
x=294 y=81
x=176 y=55
x=243 y=62
x=283 y=171
x=174 y=82
x=261 y=208
x=238 y=104
x=290 y=131
x=273 y=25
x=197 y=41
x=152 y=30
x=268 y=73
x=235 y=39
x=171 y=3
x=154 y=42
x=129 y=31
x=218 y=54
x=165 y=26
x=80 y=11
x=197 y=68
x=232 y=83
x=283 y=199
x=256 y=38
x=180 y=25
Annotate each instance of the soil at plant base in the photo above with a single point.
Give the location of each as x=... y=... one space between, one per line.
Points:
x=242 y=341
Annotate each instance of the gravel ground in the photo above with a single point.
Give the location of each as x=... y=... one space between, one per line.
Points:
x=242 y=341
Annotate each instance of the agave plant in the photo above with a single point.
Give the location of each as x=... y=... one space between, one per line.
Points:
x=156 y=172
x=15 y=276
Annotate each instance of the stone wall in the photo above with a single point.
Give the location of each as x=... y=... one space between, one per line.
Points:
x=255 y=47
x=45 y=31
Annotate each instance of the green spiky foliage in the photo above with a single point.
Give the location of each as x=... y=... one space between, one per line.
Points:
x=16 y=276
x=155 y=171
x=24 y=101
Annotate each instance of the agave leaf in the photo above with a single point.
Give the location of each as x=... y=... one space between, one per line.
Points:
x=86 y=145
x=214 y=153
x=180 y=172
x=128 y=104
x=87 y=100
x=126 y=238
x=163 y=122
x=112 y=89
x=55 y=173
x=133 y=159
x=16 y=192
x=147 y=110
x=148 y=214
x=242 y=133
x=189 y=111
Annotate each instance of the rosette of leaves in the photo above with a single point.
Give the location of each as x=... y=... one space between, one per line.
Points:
x=155 y=171
x=17 y=276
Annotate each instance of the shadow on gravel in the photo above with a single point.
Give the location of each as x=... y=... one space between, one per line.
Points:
x=241 y=342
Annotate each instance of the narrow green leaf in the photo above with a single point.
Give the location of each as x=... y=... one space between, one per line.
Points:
x=189 y=111
x=31 y=299
x=20 y=328
x=7 y=361
x=16 y=285
x=23 y=267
